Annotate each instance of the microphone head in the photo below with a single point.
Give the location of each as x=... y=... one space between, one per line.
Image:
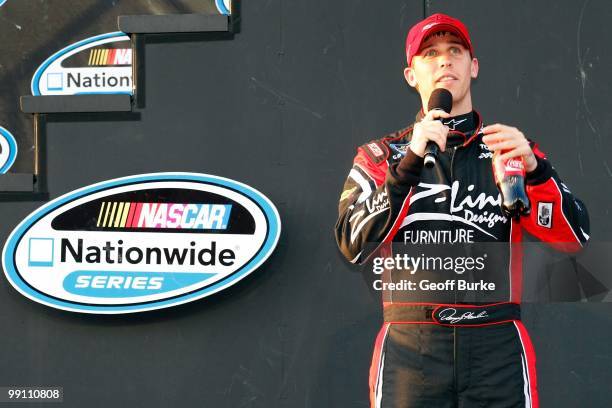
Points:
x=440 y=98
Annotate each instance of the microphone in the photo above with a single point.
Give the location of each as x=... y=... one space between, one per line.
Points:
x=440 y=99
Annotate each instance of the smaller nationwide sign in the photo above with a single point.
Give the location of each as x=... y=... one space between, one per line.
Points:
x=8 y=150
x=141 y=243
x=96 y=65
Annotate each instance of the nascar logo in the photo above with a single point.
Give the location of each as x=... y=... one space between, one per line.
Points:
x=163 y=215
x=110 y=56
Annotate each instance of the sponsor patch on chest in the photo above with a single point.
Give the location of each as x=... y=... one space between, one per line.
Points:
x=399 y=149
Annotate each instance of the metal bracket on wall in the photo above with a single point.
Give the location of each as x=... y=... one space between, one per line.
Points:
x=138 y=26
x=18 y=185
x=12 y=184
x=173 y=23
x=75 y=103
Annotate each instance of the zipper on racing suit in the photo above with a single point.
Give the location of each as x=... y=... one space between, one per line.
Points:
x=454 y=328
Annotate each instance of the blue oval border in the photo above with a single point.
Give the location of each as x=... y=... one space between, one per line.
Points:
x=221 y=8
x=13 y=149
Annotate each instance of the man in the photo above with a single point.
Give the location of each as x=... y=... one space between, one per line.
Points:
x=448 y=348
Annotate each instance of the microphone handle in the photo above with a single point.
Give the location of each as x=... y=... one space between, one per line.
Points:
x=431 y=154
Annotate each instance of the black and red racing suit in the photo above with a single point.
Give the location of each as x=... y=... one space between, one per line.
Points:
x=446 y=348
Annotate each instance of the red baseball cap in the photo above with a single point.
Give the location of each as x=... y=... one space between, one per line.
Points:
x=433 y=24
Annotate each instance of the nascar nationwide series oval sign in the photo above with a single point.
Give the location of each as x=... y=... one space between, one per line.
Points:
x=141 y=243
x=96 y=65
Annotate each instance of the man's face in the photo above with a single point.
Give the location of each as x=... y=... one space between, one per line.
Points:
x=443 y=62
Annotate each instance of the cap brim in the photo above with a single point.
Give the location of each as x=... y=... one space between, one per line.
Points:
x=443 y=27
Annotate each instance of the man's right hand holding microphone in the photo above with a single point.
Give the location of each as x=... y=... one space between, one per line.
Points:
x=429 y=129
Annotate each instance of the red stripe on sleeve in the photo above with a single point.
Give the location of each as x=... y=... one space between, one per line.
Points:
x=400 y=218
x=376 y=171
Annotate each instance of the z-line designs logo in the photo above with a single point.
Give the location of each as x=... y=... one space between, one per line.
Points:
x=469 y=210
x=141 y=243
x=98 y=65
x=8 y=150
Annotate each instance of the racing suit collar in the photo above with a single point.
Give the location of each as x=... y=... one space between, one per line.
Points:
x=462 y=134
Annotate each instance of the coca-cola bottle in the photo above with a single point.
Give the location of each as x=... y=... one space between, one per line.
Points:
x=510 y=179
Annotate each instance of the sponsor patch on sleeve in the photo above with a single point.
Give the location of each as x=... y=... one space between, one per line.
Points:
x=375 y=151
x=545 y=214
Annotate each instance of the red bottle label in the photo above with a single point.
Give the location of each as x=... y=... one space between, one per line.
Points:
x=514 y=167
x=507 y=168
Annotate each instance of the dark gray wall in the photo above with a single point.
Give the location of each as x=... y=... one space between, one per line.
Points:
x=282 y=107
